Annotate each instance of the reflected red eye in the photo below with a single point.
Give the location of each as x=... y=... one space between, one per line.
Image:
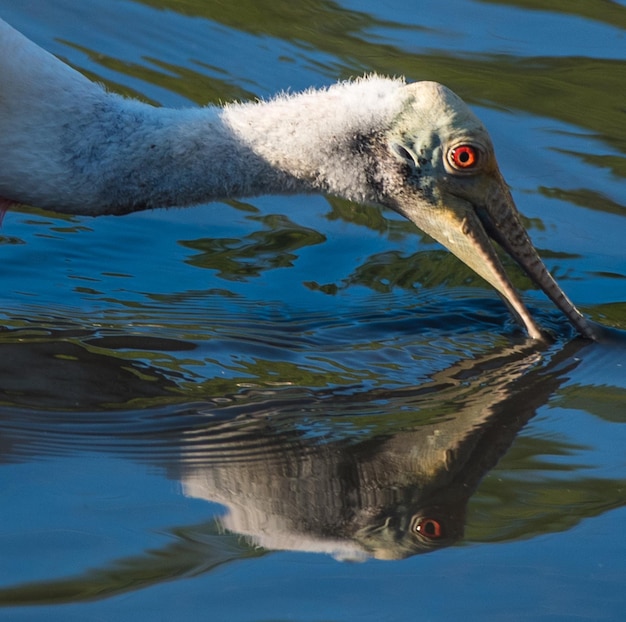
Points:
x=429 y=528
x=463 y=157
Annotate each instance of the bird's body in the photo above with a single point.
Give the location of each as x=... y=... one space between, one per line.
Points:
x=68 y=145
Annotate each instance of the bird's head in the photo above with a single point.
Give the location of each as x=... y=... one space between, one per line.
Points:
x=442 y=174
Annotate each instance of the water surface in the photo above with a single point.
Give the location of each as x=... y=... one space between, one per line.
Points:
x=209 y=413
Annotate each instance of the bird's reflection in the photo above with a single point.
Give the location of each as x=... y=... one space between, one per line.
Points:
x=384 y=473
x=391 y=490
x=364 y=473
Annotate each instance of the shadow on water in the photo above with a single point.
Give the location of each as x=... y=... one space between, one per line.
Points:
x=383 y=473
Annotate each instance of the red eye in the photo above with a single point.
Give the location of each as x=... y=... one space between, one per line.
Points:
x=429 y=528
x=463 y=157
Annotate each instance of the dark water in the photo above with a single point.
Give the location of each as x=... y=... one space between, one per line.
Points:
x=209 y=413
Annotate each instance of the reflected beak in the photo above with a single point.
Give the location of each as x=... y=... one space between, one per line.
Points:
x=467 y=229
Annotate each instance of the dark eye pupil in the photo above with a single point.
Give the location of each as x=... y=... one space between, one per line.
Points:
x=429 y=528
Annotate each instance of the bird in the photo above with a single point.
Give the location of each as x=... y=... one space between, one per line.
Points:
x=69 y=145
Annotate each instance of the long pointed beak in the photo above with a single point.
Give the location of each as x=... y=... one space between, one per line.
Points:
x=465 y=229
x=501 y=221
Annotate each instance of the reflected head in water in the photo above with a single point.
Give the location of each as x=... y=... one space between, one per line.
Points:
x=389 y=494
x=68 y=145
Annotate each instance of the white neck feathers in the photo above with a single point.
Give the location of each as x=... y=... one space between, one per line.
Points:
x=67 y=144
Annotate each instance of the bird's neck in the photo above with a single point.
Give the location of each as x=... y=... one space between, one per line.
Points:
x=75 y=148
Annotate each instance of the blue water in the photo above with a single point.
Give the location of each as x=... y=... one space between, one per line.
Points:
x=242 y=411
